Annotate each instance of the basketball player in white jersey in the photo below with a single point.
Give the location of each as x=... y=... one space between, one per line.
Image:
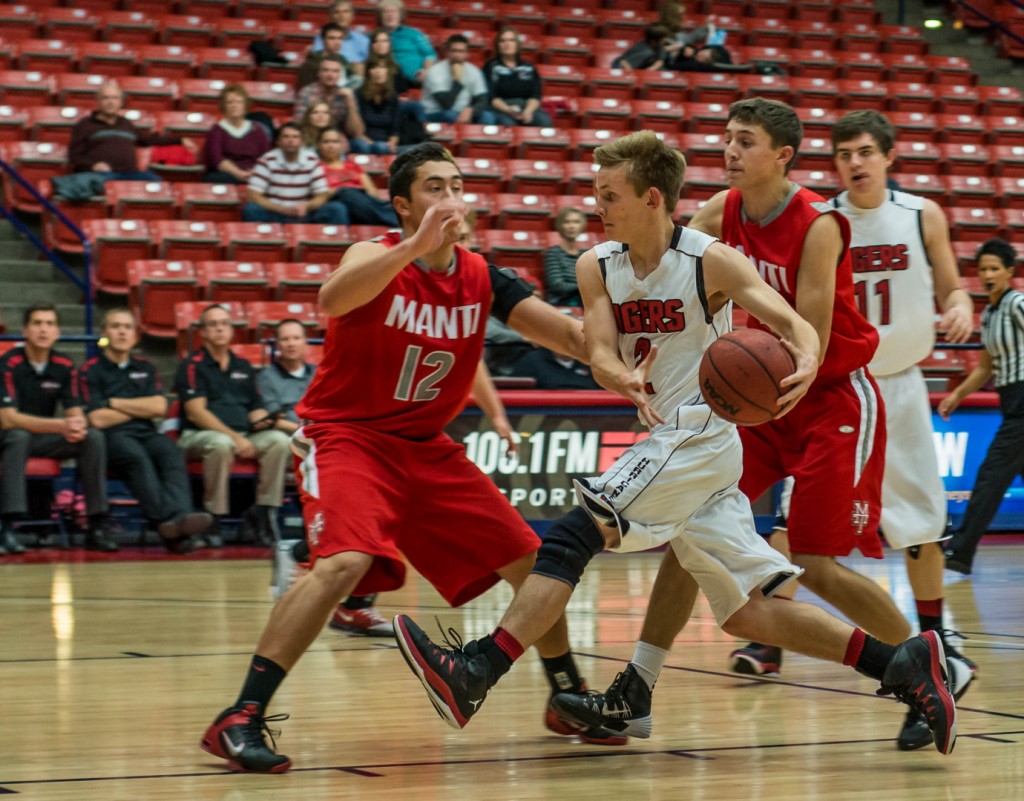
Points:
x=654 y=299
x=902 y=265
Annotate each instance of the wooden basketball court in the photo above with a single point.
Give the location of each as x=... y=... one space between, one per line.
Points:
x=111 y=671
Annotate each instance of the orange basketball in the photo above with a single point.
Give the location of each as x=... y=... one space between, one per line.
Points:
x=740 y=375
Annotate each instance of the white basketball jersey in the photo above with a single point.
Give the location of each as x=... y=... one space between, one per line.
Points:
x=893 y=278
x=668 y=308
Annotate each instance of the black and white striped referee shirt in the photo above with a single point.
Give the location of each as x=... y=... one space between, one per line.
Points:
x=1002 y=334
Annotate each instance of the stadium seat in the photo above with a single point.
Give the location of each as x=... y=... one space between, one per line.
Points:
x=585 y=141
x=703 y=183
x=1001 y=100
x=525 y=212
x=55 y=233
x=232 y=280
x=661 y=85
x=863 y=94
x=224 y=64
x=605 y=113
x=811 y=93
x=141 y=200
x=816 y=121
x=1006 y=130
x=972 y=190
x=186 y=240
x=194 y=124
x=966 y=261
x=814 y=35
x=569 y=50
x=816 y=64
x=973 y=224
x=562 y=79
x=1011 y=192
x=470 y=15
x=929 y=185
x=36 y=161
x=959 y=159
x=311 y=243
x=864 y=67
x=21 y=89
x=513 y=249
x=114 y=244
x=210 y=202
x=526 y=177
x=482 y=175
x=20 y=21
x=772 y=87
x=659 y=115
x=703 y=150
x=824 y=182
x=713 y=87
x=148 y=93
x=771 y=31
x=547 y=144
x=584 y=203
x=483 y=141
x=13 y=124
x=73 y=89
x=914 y=126
x=579 y=177
x=54 y=123
x=704 y=118
x=252 y=241
x=1012 y=225
x=69 y=24
x=297 y=282
x=585 y=240
x=1009 y=160
x=167 y=61
x=917 y=157
x=485 y=206
x=955 y=70
x=296 y=34
x=815 y=154
x=958 y=99
x=906 y=68
x=270 y=11
x=107 y=58
x=155 y=287
x=262 y=316
x=187 y=30
x=610 y=83
x=960 y=129
x=47 y=55
x=128 y=28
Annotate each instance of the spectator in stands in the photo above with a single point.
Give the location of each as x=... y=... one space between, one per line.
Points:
x=234 y=143
x=410 y=46
x=514 y=84
x=351 y=186
x=122 y=398
x=223 y=417
x=35 y=379
x=288 y=185
x=647 y=54
x=455 y=90
x=380 y=109
x=1002 y=332
x=344 y=111
x=355 y=45
x=283 y=383
x=671 y=14
x=332 y=36
x=710 y=58
x=552 y=371
x=104 y=141
x=316 y=119
x=560 y=260
x=380 y=45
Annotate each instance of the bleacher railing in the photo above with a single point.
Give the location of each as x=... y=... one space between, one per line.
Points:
x=83 y=282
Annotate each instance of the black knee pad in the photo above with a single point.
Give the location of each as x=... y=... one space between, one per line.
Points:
x=568 y=546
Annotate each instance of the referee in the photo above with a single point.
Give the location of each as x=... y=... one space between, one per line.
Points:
x=1002 y=334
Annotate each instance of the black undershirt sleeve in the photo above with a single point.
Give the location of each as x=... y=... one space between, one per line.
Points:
x=508 y=289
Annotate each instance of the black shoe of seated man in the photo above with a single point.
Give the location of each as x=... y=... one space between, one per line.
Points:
x=9 y=544
x=99 y=540
x=184 y=525
x=212 y=537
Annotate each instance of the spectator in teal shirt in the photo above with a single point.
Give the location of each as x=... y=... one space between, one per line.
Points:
x=410 y=46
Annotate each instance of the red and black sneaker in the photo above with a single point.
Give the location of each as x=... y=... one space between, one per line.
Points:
x=918 y=675
x=237 y=736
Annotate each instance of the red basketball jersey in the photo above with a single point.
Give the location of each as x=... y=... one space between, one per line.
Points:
x=775 y=250
x=404 y=363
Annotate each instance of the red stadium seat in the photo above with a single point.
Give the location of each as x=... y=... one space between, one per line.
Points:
x=14 y=124
x=562 y=79
x=233 y=280
x=513 y=249
x=914 y=126
x=55 y=233
x=958 y=99
x=972 y=190
x=814 y=35
x=272 y=11
x=817 y=121
x=967 y=159
x=917 y=157
x=548 y=144
x=194 y=124
x=1011 y=192
x=69 y=24
x=310 y=242
x=1012 y=224
x=579 y=177
x=973 y=224
x=486 y=207
x=128 y=28
x=961 y=129
x=21 y=89
x=20 y=21
x=114 y=244
x=816 y=64
x=482 y=175
x=296 y=34
x=297 y=281
x=471 y=15
x=154 y=288
x=1009 y=160
x=929 y=185
x=141 y=200
x=811 y=93
x=659 y=115
x=772 y=31
x=107 y=58
x=605 y=113
x=824 y=182
x=77 y=90
x=211 y=202
x=264 y=315
x=167 y=61
x=148 y=93
x=483 y=141
x=611 y=83
x=252 y=241
x=187 y=30
x=815 y=154
x=864 y=94
x=1005 y=130
x=526 y=177
x=186 y=240
x=573 y=21
x=906 y=67
x=569 y=50
x=703 y=183
x=703 y=150
x=48 y=55
x=587 y=204
x=704 y=118
x=713 y=87
x=36 y=161
x=54 y=123
x=864 y=67
x=225 y=64
x=1001 y=100
x=519 y=212
x=954 y=70
x=773 y=87
x=661 y=85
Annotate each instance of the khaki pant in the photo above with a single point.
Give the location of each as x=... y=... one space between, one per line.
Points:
x=218 y=455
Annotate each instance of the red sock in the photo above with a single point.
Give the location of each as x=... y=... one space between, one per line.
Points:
x=854 y=648
x=508 y=644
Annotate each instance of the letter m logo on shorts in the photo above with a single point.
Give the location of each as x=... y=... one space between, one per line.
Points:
x=860 y=516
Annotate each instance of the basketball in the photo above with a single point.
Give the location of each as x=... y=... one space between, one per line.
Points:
x=740 y=375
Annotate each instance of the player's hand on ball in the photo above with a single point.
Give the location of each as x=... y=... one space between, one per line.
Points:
x=796 y=384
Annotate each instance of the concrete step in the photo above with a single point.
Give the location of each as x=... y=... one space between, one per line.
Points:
x=26 y=292
x=15 y=270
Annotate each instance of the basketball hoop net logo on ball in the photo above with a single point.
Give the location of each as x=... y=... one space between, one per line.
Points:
x=740 y=374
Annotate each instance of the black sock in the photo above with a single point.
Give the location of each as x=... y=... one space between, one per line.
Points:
x=261 y=682
x=357 y=602
x=874 y=657
x=301 y=551
x=498 y=660
x=562 y=673
x=97 y=521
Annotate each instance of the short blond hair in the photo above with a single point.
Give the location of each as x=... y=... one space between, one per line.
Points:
x=649 y=162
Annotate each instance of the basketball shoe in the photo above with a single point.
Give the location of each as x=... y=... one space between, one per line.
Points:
x=915 y=733
x=456 y=683
x=755 y=659
x=918 y=675
x=367 y=622
x=237 y=736
x=625 y=707
x=595 y=735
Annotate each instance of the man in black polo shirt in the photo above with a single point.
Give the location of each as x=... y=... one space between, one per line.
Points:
x=35 y=379
x=223 y=418
x=122 y=397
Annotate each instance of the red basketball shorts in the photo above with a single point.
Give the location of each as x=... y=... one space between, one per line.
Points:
x=386 y=496
x=833 y=445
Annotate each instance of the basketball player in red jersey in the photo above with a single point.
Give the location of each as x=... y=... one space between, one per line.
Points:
x=833 y=442
x=379 y=477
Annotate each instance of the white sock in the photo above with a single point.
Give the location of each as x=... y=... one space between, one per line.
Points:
x=649 y=660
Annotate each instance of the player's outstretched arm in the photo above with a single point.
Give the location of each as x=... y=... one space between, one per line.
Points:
x=367 y=267
x=542 y=323
x=957 y=320
x=602 y=341
x=729 y=274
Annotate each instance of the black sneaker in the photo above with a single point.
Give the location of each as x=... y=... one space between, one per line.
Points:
x=456 y=683
x=754 y=659
x=9 y=544
x=951 y=652
x=595 y=735
x=915 y=732
x=237 y=736
x=625 y=707
x=99 y=540
x=959 y=555
x=917 y=674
